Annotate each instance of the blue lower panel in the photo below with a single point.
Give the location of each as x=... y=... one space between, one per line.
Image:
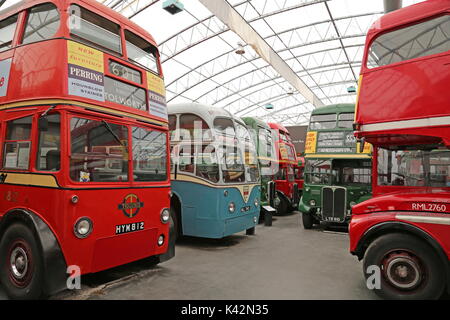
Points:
x=239 y=224
x=204 y=209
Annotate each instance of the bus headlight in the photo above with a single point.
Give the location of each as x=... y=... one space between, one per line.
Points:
x=161 y=240
x=352 y=203
x=83 y=227
x=165 y=216
x=256 y=202
x=312 y=202
x=231 y=207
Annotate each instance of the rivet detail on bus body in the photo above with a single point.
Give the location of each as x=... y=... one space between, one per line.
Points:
x=75 y=199
x=225 y=193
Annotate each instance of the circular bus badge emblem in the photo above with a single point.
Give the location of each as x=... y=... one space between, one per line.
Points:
x=130 y=205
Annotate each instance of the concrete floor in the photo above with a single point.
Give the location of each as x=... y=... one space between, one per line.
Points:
x=280 y=262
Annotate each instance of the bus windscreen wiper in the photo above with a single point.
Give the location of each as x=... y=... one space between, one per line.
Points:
x=107 y=126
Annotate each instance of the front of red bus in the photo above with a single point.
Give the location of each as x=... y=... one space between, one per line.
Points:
x=285 y=183
x=402 y=110
x=93 y=85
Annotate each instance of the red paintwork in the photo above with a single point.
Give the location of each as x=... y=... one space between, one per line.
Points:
x=39 y=71
x=413 y=89
x=285 y=186
x=299 y=172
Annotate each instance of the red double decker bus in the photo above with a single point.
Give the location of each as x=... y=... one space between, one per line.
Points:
x=84 y=177
x=403 y=232
x=287 y=189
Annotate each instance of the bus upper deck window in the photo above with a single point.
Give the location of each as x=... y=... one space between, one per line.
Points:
x=323 y=121
x=224 y=126
x=17 y=144
x=172 y=126
x=346 y=120
x=141 y=51
x=94 y=30
x=192 y=127
x=42 y=23
x=419 y=40
x=7 y=30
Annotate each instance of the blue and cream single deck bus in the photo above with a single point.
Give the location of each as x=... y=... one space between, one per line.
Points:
x=215 y=176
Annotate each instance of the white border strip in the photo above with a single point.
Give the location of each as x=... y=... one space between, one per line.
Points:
x=424 y=219
x=405 y=124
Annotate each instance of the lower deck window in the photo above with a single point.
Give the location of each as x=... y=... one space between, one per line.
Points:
x=414 y=168
x=149 y=155
x=17 y=148
x=98 y=151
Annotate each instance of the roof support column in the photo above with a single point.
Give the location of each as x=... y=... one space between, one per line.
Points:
x=392 y=5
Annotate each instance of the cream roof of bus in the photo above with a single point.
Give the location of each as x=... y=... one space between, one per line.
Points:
x=208 y=113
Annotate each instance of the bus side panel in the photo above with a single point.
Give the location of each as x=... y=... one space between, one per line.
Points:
x=245 y=214
x=361 y=223
x=103 y=248
x=205 y=210
x=46 y=203
x=409 y=87
x=39 y=67
x=119 y=235
x=199 y=209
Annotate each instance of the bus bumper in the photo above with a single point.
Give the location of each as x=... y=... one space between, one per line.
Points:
x=241 y=223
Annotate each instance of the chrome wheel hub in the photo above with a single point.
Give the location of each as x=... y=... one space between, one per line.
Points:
x=19 y=263
x=403 y=271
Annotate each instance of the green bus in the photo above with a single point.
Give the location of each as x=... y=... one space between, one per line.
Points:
x=337 y=173
x=267 y=157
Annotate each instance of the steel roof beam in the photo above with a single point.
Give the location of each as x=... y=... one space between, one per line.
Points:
x=293 y=106
x=340 y=40
x=230 y=17
x=338 y=67
x=271 y=100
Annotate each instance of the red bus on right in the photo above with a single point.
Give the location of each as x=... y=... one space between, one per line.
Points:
x=403 y=109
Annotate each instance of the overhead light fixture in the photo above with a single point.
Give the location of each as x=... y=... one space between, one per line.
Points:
x=173 y=6
x=351 y=89
x=290 y=91
x=269 y=106
x=240 y=50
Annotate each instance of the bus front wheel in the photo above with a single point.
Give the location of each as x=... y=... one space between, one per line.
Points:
x=250 y=231
x=174 y=232
x=283 y=207
x=21 y=264
x=408 y=268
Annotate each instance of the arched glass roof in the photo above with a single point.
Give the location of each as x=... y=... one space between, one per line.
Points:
x=321 y=41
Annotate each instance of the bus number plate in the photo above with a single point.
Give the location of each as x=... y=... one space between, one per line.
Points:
x=434 y=207
x=129 y=227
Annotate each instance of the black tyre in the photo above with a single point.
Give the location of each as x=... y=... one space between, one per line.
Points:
x=174 y=229
x=21 y=264
x=307 y=220
x=250 y=231
x=409 y=268
x=283 y=207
